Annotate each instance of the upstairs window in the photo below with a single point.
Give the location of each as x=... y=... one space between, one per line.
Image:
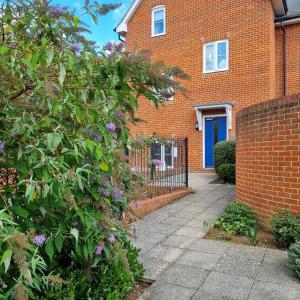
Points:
x=216 y=57
x=158 y=21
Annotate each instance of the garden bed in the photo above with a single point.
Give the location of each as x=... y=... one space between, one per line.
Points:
x=138 y=290
x=264 y=238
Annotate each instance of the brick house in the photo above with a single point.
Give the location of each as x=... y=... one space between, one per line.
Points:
x=237 y=53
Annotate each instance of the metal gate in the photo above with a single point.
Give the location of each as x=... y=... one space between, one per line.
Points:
x=164 y=164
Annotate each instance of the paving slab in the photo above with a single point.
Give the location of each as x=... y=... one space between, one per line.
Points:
x=277 y=257
x=227 y=286
x=262 y=290
x=151 y=237
x=162 y=228
x=175 y=221
x=154 y=267
x=179 y=241
x=239 y=266
x=190 y=231
x=165 y=291
x=186 y=214
x=199 y=259
x=255 y=253
x=185 y=276
x=208 y=246
x=166 y=253
x=277 y=274
x=203 y=295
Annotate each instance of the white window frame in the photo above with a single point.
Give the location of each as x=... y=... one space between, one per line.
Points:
x=155 y=9
x=216 y=69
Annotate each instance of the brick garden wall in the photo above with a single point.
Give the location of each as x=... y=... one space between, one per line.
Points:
x=268 y=156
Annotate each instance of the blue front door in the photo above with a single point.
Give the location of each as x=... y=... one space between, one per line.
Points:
x=215 y=131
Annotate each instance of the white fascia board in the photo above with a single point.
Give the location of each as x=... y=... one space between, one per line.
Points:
x=122 y=27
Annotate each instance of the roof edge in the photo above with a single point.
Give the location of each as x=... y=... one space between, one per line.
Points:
x=121 y=28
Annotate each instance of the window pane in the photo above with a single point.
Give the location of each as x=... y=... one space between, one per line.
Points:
x=159 y=15
x=222 y=55
x=158 y=27
x=159 y=22
x=209 y=63
x=156 y=151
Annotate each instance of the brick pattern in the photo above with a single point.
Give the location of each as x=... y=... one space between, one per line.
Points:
x=268 y=156
x=292 y=60
x=251 y=75
x=146 y=206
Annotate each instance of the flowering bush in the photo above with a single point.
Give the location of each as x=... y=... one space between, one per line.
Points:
x=64 y=109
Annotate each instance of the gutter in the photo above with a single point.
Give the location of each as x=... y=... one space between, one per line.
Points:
x=287 y=20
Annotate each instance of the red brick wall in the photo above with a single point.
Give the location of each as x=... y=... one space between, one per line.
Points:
x=249 y=27
x=292 y=60
x=268 y=156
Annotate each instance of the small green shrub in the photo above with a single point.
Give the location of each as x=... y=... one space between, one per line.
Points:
x=238 y=219
x=286 y=228
x=294 y=257
x=110 y=280
x=224 y=153
x=226 y=172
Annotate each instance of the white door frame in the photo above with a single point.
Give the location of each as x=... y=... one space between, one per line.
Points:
x=203 y=134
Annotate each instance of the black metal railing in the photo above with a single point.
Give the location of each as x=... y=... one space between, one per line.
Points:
x=164 y=164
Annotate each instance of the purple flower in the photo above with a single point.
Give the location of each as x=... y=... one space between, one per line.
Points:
x=2 y=146
x=104 y=192
x=117 y=193
x=56 y=11
x=157 y=162
x=119 y=114
x=96 y=136
x=111 y=127
x=112 y=239
x=109 y=46
x=99 y=248
x=75 y=47
x=39 y=240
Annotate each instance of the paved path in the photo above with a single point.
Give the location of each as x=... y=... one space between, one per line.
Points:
x=184 y=266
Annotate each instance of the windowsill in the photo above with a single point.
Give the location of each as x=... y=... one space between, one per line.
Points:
x=215 y=73
x=157 y=35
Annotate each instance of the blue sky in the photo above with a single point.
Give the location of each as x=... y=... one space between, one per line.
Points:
x=103 y=32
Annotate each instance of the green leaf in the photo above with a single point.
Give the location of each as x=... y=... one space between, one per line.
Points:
x=76 y=21
x=3 y=49
x=20 y=211
x=6 y=258
x=53 y=141
x=62 y=74
x=59 y=242
x=85 y=252
x=49 y=56
x=79 y=114
x=75 y=233
x=70 y=62
x=49 y=248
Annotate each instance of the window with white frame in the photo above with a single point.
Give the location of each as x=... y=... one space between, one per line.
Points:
x=158 y=21
x=216 y=56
